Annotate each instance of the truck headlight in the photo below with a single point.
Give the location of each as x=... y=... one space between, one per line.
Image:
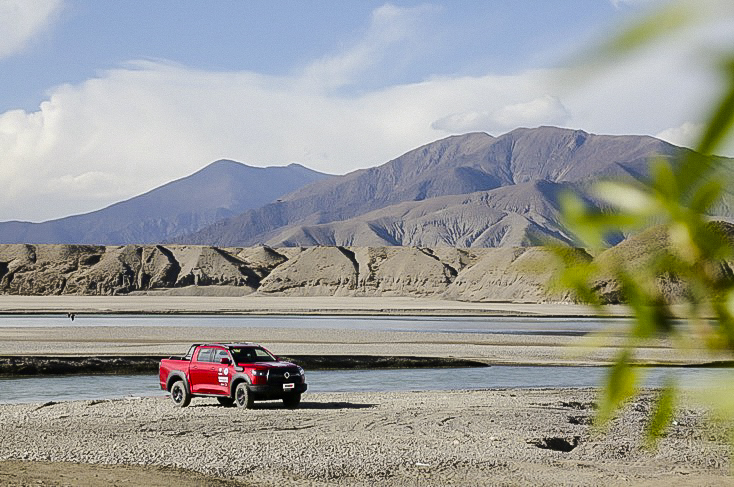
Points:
x=259 y=373
x=302 y=372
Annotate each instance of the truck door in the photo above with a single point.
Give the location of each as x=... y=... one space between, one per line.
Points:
x=222 y=372
x=200 y=372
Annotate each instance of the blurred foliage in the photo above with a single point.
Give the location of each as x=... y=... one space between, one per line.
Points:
x=676 y=198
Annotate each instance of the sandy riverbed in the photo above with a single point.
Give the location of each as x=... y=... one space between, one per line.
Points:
x=258 y=304
x=87 y=340
x=498 y=349
x=414 y=438
x=498 y=437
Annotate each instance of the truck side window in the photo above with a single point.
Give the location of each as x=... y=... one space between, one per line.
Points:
x=260 y=353
x=190 y=354
x=219 y=354
x=205 y=355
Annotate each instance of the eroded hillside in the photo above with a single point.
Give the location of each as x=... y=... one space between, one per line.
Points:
x=481 y=274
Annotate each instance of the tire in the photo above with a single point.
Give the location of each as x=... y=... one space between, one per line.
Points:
x=292 y=401
x=226 y=401
x=180 y=394
x=243 y=396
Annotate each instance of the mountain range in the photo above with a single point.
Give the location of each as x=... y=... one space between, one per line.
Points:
x=471 y=190
x=220 y=190
x=467 y=190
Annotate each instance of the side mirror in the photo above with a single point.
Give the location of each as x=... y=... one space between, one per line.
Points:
x=225 y=361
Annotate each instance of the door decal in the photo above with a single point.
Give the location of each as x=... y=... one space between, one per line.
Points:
x=223 y=375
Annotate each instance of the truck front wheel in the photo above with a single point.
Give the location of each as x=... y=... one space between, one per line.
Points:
x=242 y=396
x=179 y=394
x=292 y=401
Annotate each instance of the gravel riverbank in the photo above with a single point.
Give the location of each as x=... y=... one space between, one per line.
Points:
x=492 y=437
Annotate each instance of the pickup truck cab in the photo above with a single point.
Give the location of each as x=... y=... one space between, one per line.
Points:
x=234 y=373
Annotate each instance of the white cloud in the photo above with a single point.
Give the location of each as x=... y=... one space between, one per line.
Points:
x=546 y=109
x=145 y=123
x=685 y=135
x=390 y=26
x=543 y=110
x=634 y=3
x=22 y=20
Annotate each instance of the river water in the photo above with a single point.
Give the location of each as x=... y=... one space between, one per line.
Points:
x=42 y=389
x=61 y=388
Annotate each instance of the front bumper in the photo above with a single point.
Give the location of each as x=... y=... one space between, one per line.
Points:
x=275 y=391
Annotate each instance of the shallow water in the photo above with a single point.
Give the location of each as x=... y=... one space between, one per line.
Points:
x=41 y=389
x=66 y=388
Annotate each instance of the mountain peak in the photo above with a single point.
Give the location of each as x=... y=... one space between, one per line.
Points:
x=525 y=166
x=225 y=164
x=219 y=190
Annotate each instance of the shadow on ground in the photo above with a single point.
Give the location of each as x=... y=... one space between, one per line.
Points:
x=303 y=405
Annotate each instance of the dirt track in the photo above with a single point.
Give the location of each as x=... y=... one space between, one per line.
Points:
x=505 y=437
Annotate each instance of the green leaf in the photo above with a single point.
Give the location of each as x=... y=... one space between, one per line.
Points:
x=693 y=171
x=620 y=386
x=662 y=413
x=577 y=279
x=705 y=196
x=576 y=215
x=688 y=252
x=721 y=122
x=664 y=179
x=627 y=198
x=659 y=24
x=717 y=393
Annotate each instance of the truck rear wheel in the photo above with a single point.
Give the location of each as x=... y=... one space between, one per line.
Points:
x=242 y=396
x=292 y=401
x=179 y=394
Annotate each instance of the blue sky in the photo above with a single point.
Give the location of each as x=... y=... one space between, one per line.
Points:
x=278 y=38
x=100 y=101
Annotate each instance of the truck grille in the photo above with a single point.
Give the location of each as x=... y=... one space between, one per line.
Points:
x=279 y=376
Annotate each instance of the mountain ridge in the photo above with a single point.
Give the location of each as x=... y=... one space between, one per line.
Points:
x=222 y=188
x=465 y=190
x=459 y=164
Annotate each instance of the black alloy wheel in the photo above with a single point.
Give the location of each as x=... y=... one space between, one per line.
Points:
x=179 y=394
x=243 y=396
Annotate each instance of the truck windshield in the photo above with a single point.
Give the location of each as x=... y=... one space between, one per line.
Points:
x=251 y=354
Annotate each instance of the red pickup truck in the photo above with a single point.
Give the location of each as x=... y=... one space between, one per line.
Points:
x=234 y=373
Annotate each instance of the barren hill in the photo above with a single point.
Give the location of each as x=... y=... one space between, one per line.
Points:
x=469 y=274
x=520 y=274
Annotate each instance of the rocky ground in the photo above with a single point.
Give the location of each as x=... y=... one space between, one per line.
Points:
x=493 y=437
